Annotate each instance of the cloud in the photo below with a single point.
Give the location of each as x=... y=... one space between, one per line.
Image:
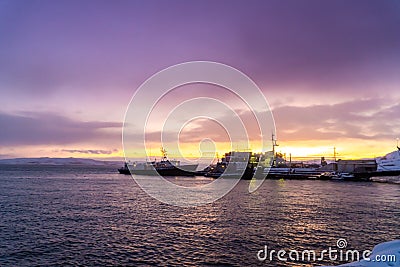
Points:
x=365 y=119
x=40 y=128
x=334 y=44
x=225 y=127
x=92 y=59
x=315 y=46
x=90 y=151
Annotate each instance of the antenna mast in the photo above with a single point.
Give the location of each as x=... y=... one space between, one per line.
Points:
x=274 y=144
x=164 y=153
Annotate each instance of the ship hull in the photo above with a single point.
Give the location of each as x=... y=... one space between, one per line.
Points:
x=185 y=171
x=248 y=174
x=124 y=171
x=377 y=174
x=164 y=172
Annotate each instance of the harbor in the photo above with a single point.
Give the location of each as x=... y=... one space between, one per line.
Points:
x=248 y=165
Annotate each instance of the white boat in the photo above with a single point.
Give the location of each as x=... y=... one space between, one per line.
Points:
x=345 y=176
x=390 y=162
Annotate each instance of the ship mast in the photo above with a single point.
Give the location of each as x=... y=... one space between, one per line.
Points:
x=274 y=144
x=164 y=153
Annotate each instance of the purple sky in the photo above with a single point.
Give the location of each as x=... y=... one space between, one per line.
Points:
x=330 y=69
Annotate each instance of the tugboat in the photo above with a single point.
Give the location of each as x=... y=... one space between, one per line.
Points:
x=125 y=169
x=164 y=167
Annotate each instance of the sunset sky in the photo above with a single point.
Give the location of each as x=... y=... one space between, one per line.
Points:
x=330 y=70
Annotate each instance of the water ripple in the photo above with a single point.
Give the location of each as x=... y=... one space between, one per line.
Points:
x=92 y=216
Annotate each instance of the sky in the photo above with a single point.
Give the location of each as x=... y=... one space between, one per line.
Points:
x=329 y=70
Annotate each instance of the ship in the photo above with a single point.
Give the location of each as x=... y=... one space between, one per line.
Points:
x=388 y=165
x=235 y=164
x=165 y=167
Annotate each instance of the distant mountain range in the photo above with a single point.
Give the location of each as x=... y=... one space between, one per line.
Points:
x=59 y=161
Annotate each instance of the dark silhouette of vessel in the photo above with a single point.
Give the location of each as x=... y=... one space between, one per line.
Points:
x=164 y=167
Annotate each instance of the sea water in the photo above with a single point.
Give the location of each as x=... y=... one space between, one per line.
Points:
x=92 y=216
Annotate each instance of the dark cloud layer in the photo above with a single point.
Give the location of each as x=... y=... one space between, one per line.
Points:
x=48 y=128
x=312 y=45
x=90 y=151
x=324 y=44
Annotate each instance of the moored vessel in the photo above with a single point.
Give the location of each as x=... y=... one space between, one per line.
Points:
x=388 y=165
x=165 y=167
x=235 y=164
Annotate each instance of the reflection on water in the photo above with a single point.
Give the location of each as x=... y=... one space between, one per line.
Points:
x=92 y=216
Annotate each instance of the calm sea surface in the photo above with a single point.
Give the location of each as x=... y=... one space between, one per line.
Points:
x=92 y=216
